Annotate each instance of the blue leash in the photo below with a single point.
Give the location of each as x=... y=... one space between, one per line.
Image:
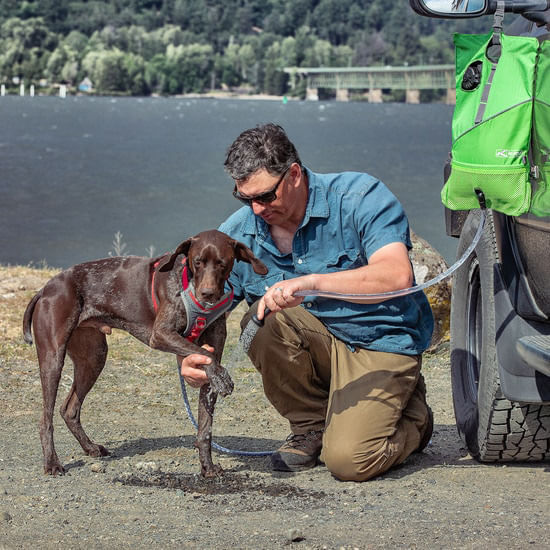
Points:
x=214 y=444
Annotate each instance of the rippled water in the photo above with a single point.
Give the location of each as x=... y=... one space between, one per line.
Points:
x=75 y=171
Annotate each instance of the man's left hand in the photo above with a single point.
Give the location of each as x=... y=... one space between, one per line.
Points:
x=281 y=295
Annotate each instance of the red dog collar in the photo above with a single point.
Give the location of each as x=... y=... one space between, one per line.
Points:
x=199 y=317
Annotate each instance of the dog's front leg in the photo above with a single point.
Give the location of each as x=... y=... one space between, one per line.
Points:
x=165 y=338
x=207 y=402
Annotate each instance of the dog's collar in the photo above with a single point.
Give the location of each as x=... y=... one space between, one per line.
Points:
x=199 y=317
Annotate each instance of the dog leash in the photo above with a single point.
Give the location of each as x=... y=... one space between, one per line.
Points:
x=214 y=444
x=198 y=319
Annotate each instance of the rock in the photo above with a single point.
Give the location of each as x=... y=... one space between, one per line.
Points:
x=6 y=516
x=295 y=535
x=97 y=467
x=148 y=466
x=428 y=263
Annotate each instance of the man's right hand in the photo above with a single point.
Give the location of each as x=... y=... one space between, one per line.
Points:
x=192 y=367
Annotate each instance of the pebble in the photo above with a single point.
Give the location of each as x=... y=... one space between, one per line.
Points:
x=148 y=466
x=6 y=516
x=295 y=535
x=97 y=467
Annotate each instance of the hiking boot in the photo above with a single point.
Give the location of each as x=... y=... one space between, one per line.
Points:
x=428 y=433
x=299 y=452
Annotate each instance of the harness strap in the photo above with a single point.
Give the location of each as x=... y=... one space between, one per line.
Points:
x=199 y=317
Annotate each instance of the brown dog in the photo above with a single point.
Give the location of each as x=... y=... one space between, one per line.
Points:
x=77 y=307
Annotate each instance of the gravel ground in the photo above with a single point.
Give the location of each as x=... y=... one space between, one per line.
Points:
x=148 y=492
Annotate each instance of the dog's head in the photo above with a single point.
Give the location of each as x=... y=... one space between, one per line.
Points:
x=210 y=258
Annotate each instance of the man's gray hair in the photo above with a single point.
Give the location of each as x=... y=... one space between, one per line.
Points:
x=266 y=146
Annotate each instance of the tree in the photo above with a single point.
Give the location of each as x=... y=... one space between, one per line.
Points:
x=62 y=65
x=107 y=70
x=25 y=46
x=273 y=64
x=247 y=63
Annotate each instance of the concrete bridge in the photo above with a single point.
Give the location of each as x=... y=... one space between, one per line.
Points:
x=412 y=79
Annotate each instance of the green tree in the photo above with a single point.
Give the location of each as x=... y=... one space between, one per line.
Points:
x=107 y=70
x=247 y=64
x=25 y=46
x=62 y=65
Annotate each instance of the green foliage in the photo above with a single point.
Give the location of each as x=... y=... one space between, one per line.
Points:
x=178 y=46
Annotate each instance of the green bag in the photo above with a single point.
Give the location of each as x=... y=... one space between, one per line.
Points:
x=501 y=125
x=492 y=124
x=540 y=203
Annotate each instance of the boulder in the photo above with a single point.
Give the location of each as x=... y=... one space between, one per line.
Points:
x=428 y=263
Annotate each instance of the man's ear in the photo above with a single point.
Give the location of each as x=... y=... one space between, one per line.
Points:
x=244 y=254
x=183 y=248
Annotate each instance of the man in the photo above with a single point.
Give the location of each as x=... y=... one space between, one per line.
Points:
x=344 y=372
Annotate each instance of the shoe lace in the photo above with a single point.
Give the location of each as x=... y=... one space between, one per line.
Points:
x=295 y=440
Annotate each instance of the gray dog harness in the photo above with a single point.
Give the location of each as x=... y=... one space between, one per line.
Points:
x=200 y=317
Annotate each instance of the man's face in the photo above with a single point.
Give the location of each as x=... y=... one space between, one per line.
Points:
x=268 y=195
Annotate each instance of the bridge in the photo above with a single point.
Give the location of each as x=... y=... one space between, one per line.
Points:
x=412 y=79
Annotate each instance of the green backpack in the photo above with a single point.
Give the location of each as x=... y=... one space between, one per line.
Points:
x=501 y=124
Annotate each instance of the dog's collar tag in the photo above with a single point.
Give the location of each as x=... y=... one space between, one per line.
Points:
x=199 y=317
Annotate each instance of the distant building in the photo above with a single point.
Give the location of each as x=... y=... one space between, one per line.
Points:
x=85 y=85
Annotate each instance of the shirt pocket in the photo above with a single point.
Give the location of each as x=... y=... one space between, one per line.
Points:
x=257 y=287
x=345 y=259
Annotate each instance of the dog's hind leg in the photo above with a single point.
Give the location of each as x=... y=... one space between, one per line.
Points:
x=50 y=360
x=88 y=350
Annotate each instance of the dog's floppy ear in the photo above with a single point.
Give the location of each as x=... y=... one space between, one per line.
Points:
x=244 y=254
x=183 y=248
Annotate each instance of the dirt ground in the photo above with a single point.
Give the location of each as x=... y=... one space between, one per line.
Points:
x=148 y=492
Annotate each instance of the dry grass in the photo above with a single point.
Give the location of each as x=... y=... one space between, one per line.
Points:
x=18 y=284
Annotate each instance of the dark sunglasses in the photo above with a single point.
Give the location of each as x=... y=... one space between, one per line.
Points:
x=265 y=198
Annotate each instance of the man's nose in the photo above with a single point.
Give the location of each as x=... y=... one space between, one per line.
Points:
x=257 y=207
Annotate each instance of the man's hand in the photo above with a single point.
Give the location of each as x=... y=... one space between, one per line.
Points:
x=191 y=367
x=280 y=295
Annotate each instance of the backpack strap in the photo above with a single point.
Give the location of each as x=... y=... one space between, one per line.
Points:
x=494 y=49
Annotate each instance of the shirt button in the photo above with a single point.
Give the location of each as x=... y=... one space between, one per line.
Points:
x=266 y=287
x=300 y=261
x=308 y=304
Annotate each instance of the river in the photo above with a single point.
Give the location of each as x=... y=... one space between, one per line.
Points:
x=75 y=171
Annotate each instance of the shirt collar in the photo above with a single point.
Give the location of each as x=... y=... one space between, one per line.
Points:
x=317 y=201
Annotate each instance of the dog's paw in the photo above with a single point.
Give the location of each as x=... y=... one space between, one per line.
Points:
x=54 y=468
x=214 y=471
x=220 y=381
x=96 y=450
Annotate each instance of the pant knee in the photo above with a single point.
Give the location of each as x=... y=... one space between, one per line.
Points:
x=356 y=463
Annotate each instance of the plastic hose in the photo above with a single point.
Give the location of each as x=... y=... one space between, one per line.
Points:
x=412 y=289
x=254 y=324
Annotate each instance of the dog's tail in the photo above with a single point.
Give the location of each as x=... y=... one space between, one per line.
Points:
x=27 y=318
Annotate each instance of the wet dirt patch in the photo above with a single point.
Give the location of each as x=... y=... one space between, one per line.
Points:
x=228 y=484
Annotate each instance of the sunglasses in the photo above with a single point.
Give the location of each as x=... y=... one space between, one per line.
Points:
x=264 y=198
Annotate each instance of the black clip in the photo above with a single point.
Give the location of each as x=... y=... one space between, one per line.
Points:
x=480 y=198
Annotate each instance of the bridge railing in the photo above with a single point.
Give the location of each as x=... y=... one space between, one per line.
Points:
x=411 y=78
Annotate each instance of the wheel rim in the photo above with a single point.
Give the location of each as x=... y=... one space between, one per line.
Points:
x=474 y=336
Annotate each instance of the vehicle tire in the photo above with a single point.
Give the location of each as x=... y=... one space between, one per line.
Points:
x=493 y=428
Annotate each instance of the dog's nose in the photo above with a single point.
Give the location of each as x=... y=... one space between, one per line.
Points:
x=208 y=294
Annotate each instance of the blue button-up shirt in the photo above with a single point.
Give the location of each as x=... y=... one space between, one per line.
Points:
x=348 y=217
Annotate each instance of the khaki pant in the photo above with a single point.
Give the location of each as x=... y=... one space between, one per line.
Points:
x=372 y=405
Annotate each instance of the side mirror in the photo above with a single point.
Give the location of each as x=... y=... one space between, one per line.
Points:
x=534 y=10
x=450 y=8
